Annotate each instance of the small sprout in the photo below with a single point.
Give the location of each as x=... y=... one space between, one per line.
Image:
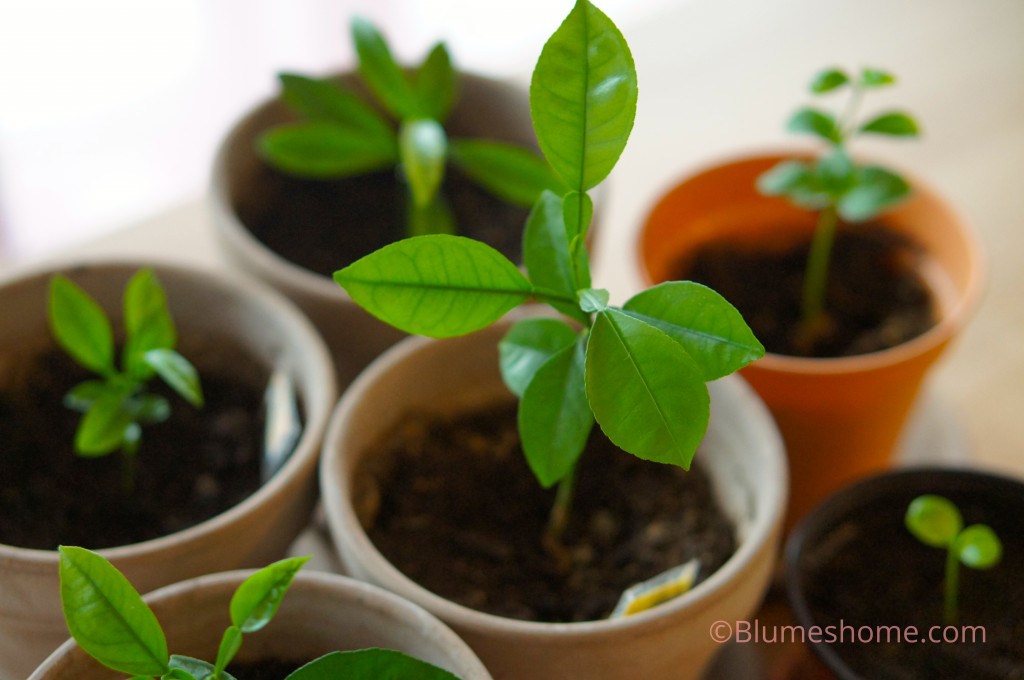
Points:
x=116 y=405
x=833 y=185
x=340 y=135
x=110 y=621
x=936 y=521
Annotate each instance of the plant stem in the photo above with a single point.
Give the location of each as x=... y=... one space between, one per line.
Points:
x=952 y=585
x=559 y=517
x=816 y=275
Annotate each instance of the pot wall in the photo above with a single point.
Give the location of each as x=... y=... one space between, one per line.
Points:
x=841 y=418
x=206 y=308
x=742 y=454
x=321 y=613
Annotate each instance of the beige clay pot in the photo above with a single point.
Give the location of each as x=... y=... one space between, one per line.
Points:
x=321 y=613
x=208 y=308
x=742 y=454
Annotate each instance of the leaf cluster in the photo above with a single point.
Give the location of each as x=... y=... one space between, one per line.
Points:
x=340 y=134
x=117 y=404
x=856 y=192
x=110 y=621
x=638 y=370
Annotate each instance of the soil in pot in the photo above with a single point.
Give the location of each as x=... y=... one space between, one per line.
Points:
x=452 y=504
x=197 y=464
x=324 y=225
x=871 y=572
x=875 y=299
x=265 y=669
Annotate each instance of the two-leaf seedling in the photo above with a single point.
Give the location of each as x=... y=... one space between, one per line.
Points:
x=116 y=405
x=834 y=184
x=936 y=521
x=110 y=621
x=341 y=135
x=639 y=370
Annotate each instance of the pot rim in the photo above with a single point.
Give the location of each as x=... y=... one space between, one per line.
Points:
x=953 y=319
x=304 y=455
x=760 y=534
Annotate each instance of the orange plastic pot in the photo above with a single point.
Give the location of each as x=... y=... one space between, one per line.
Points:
x=841 y=418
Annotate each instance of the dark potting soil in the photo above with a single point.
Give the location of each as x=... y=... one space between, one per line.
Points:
x=324 y=225
x=265 y=669
x=872 y=572
x=453 y=505
x=197 y=464
x=875 y=298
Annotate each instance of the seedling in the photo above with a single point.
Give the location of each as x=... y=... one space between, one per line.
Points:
x=936 y=521
x=116 y=405
x=342 y=135
x=639 y=370
x=111 y=623
x=834 y=185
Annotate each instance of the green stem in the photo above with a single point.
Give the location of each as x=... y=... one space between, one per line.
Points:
x=848 y=118
x=816 y=275
x=952 y=585
x=559 y=517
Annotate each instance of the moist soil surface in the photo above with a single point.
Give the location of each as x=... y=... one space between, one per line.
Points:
x=871 y=572
x=265 y=669
x=875 y=298
x=197 y=464
x=453 y=505
x=324 y=225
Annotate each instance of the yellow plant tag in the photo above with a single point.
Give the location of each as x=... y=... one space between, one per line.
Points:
x=654 y=591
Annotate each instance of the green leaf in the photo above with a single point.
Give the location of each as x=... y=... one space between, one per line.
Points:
x=978 y=547
x=438 y=285
x=321 y=150
x=80 y=326
x=583 y=97
x=893 y=123
x=230 y=643
x=82 y=396
x=527 y=345
x=815 y=122
x=875 y=190
x=434 y=218
x=644 y=389
x=835 y=173
x=783 y=178
x=593 y=299
x=177 y=372
x=177 y=673
x=257 y=600
x=435 y=83
x=711 y=330
x=554 y=416
x=828 y=80
x=148 y=322
x=873 y=77
x=185 y=667
x=934 y=520
x=509 y=172
x=102 y=429
x=546 y=254
x=107 y=617
x=325 y=101
x=383 y=75
x=369 y=664
x=422 y=147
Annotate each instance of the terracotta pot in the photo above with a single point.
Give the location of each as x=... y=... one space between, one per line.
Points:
x=486 y=109
x=841 y=418
x=208 y=309
x=742 y=454
x=321 y=613
x=849 y=515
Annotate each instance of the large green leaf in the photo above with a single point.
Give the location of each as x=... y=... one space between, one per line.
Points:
x=148 y=323
x=179 y=374
x=710 y=329
x=320 y=150
x=894 y=123
x=326 y=101
x=258 y=598
x=435 y=83
x=583 y=97
x=102 y=428
x=546 y=255
x=381 y=72
x=107 y=617
x=369 y=664
x=554 y=416
x=527 y=345
x=646 y=392
x=437 y=285
x=422 y=147
x=80 y=326
x=509 y=172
